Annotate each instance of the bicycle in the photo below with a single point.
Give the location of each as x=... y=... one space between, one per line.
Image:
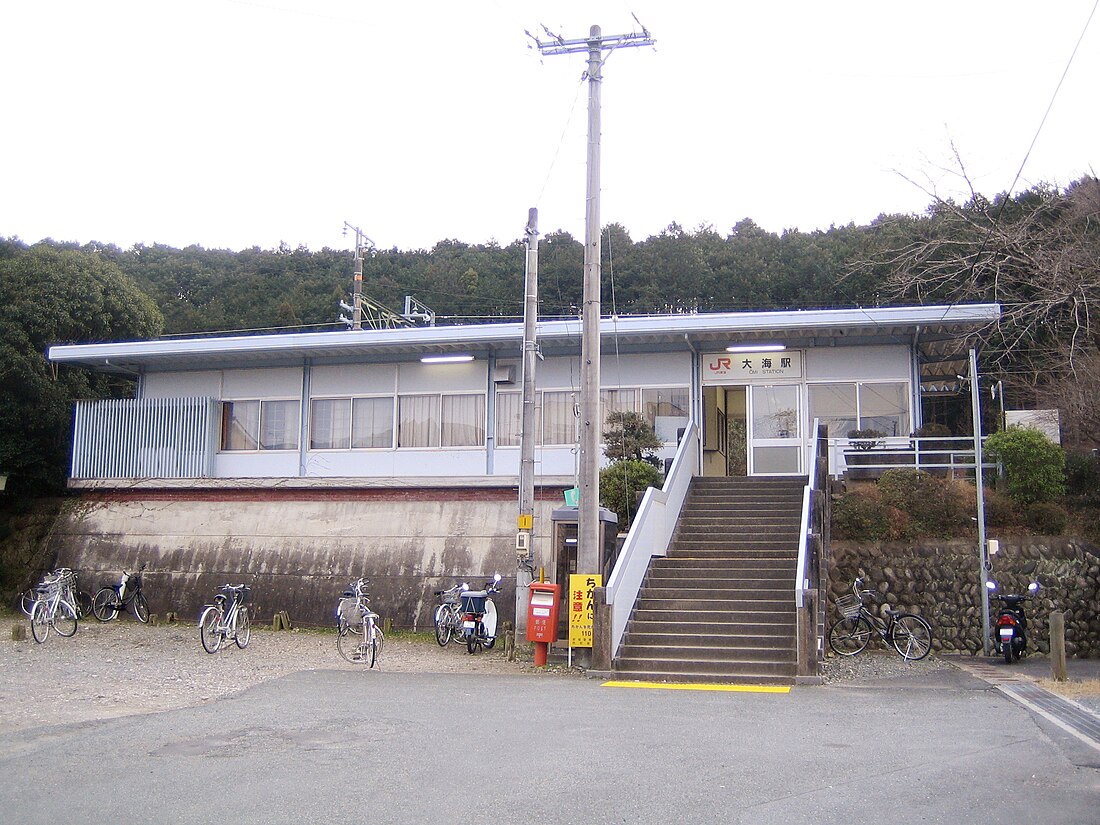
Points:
x=53 y=607
x=910 y=635
x=359 y=639
x=227 y=618
x=112 y=599
x=448 y=617
x=80 y=599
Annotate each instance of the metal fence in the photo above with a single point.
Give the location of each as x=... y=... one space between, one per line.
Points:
x=145 y=438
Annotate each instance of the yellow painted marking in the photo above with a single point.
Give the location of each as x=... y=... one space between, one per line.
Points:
x=696 y=686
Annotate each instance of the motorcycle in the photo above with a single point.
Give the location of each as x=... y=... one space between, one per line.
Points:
x=1010 y=630
x=479 y=616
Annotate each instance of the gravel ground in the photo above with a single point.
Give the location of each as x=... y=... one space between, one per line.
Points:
x=122 y=667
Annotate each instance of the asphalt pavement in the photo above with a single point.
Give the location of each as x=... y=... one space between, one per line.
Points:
x=339 y=746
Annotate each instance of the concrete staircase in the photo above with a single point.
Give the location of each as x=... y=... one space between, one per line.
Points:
x=720 y=606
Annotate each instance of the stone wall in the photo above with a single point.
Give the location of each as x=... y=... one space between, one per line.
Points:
x=940 y=581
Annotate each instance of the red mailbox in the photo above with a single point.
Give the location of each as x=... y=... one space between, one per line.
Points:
x=542 y=617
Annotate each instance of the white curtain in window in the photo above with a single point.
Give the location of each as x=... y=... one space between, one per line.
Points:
x=372 y=422
x=279 y=425
x=559 y=422
x=463 y=421
x=509 y=418
x=617 y=401
x=418 y=421
x=330 y=424
x=666 y=410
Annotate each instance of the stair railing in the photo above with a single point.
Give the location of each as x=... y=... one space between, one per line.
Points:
x=650 y=534
x=808 y=584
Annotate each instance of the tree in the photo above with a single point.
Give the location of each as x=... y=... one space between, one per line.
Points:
x=630 y=437
x=52 y=295
x=620 y=485
x=1035 y=467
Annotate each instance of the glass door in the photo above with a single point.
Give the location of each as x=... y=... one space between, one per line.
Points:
x=775 y=430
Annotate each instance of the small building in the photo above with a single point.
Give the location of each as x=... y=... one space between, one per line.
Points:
x=303 y=459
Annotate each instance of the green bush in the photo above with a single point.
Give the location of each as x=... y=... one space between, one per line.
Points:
x=1046 y=518
x=1082 y=474
x=859 y=515
x=1034 y=465
x=620 y=483
x=936 y=507
x=1001 y=511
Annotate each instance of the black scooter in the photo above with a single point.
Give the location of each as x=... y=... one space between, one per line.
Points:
x=1010 y=630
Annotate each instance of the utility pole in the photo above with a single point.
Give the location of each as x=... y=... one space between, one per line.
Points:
x=361 y=242
x=979 y=483
x=588 y=530
x=524 y=546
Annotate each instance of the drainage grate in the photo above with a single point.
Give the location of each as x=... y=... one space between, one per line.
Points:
x=1070 y=716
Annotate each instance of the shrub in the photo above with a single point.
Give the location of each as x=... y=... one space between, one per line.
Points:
x=1082 y=474
x=1001 y=511
x=935 y=506
x=859 y=516
x=620 y=484
x=1034 y=465
x=1046 y=518
x=865 y=439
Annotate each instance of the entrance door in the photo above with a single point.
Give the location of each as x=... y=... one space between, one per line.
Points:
x=775 y=430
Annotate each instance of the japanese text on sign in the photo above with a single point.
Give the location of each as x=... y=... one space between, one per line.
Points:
x=581 y=607
x=731 y=368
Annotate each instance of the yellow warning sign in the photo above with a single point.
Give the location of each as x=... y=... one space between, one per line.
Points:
x=581 y=607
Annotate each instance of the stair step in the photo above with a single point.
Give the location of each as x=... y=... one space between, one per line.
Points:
x=711 y=656
x=648 y=664
x=705 y=616
x=722 y=630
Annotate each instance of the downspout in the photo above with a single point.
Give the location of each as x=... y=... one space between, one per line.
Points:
x=696 y=399
x=916 y=399
x=491 y=415
x=303 y=420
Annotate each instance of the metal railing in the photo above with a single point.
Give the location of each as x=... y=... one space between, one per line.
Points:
x=145 y=438
x=812 y=545
x=870 y=457
x=650 y=534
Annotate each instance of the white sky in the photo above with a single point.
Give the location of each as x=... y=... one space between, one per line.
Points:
x=234 y=123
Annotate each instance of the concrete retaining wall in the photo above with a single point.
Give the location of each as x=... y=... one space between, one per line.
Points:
x=940 y=581
x=299 y=549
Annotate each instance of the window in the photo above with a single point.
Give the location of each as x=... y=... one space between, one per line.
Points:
x=835 y=405
x=510 y=418
x=418 y=421
x=463 y=421
x=372 y=422
x=260 y=425
x=330 y=424
x=861 y=406
x=666 y=410
x=559 y=418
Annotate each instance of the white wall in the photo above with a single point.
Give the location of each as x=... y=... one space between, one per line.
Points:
x=858 y=363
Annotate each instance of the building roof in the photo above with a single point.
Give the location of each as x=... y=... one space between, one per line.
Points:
x=941 y=333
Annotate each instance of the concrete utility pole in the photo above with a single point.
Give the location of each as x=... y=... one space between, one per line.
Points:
x=361 y=242
x=524 y=545
x=588 y=530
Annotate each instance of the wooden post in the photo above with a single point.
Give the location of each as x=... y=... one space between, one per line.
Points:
x=1058 y=646
x=601 y=631
x=19 y=632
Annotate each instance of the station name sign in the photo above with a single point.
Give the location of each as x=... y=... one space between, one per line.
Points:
x=750 y=367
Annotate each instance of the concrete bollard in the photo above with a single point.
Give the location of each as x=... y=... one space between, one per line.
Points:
x=1058 y=646
x=281 y=621
x=154 y=620
x=509 y=634
x=387 y=626
x=19 y=632
x=171 y=618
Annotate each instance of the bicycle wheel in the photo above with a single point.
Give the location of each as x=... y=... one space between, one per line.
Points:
x=850 y=636
x=244 y=628
x=26 y=601
x=105 y=605
x=350 y=643
x=443 y=626
x=475 y=639
x=209 y=631
x=83 y=601
x=64 y=619
x=912 y=637
x=40 y=621
x=141 y=608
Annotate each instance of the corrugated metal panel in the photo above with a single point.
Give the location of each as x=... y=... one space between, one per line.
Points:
x=145 y=438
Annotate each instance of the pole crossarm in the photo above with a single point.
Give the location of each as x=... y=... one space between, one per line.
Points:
x=559 y=45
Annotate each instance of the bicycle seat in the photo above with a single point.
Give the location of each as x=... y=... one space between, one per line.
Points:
x=893 y=614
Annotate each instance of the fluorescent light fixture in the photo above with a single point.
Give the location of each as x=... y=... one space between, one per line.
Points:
x=446 y=359
x=756 y=348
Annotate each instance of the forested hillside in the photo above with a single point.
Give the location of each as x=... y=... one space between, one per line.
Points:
x=1038 y=254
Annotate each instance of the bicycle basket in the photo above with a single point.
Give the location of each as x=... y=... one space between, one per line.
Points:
x=349 y=611
x=849 y=605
